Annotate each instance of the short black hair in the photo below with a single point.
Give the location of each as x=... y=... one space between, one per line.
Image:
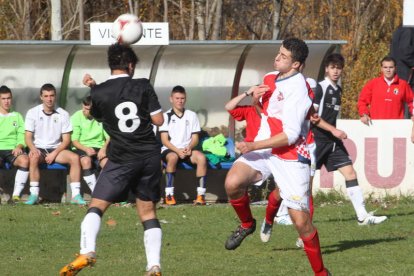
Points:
x=5 y=90
x=388 y=58
x=298 y=48
x=178 y=89
x=47 y=87
x=120 y=56
x=335 y=59
x=87 y=101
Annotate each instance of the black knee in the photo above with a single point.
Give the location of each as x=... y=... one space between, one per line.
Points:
x=351 y=183
x=95 y=210
x=151 y=223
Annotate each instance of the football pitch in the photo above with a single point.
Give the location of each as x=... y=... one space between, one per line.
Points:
x=39 y=240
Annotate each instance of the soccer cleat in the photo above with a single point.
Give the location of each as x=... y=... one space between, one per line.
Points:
x=265 y=231
x=284 y=220
x=200 y=200
x=81 y=261
x=14 y=200
x=371 y=219
x=170 y=200
x=238 y=236
x=78 y=199
x=299 y=243
x=154 y=271
x=32 y=200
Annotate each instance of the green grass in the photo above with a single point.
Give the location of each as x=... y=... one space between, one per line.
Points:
x=36 y=240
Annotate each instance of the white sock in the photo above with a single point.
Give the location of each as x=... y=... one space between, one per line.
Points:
x=75 y=187
x=34 y=188
x=152 y=243
x=169 y=191
x=201 y=191
x=89 y=231
x=19 y=182
x=357 y=199
x=90 y=181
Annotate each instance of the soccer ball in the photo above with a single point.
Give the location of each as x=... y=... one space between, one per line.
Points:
x=127 y=29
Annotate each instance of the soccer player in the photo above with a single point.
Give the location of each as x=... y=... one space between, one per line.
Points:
x=179 y=136
x=47 y=136
x=286 y=105
x=89 y=141
x=127 y=109
x=331 y=151
x=12 y=142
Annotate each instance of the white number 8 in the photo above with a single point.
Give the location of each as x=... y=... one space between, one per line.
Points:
x=127 y=111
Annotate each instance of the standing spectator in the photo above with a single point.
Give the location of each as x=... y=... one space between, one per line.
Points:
x=402 y=50
x=384 y=97
x=286 y=105
x=89 y=141
x=127 y=109
x=330 y=150
x=179 y=136
x=12 y=142
x=47 y=136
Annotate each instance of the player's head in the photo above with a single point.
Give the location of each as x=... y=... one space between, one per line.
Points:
x=86 y=106
x=5 y=98
x=123 y=58
x=48 y=95
x=334 y=64
x=178 y=97
x=388 y=67
x=292 y=54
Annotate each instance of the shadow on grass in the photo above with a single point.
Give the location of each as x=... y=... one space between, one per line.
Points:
x=345 y=245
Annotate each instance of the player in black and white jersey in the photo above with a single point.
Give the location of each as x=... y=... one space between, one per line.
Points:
x=127 y=108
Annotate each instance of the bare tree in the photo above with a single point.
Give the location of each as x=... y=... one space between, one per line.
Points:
x=56 y=20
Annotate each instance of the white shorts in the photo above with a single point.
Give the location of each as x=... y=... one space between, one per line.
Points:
x=257 y=161
x=292 y=177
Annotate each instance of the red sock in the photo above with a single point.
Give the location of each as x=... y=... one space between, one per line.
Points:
x=313 y=250
x=273 y=205
x=242 y=208
x=311 y=209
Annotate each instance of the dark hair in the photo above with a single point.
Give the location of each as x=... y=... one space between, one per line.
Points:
x=388 y=58
x=5 y=90
x=178 y=89
x=120 y=57
x=297 y=47
x=47 y=87
x=335 y=59
x=87 y=101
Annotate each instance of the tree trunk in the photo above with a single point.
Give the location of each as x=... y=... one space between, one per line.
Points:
x=56 y=20
x=201 y=27
x=217 y=21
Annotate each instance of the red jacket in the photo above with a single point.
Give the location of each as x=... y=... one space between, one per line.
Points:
x=382 y=101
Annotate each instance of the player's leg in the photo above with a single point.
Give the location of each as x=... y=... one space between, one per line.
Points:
x=21 y=162
x=340 y=156
x=147 y=191
x=200 y=160
x=293 y=180
x=248 y=169
x=72 y=159
x=90 y=227
x=35 y=158
x=87 y=171
x=273 y=203
x=171 y=159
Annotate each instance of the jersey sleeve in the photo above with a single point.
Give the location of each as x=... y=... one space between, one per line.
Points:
x=66 y=125
x=196 y=124
x=364 y=99
x=154 y=105
x=95 y=111
x=238 y=113
x=318 y=94
x=75 y=121
x=164 y=126
x=20 y=130
x=30 y=121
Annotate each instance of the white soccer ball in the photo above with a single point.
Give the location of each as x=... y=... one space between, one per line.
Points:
x=127 y=29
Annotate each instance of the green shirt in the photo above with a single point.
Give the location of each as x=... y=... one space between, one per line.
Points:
x=11 y=130
x=89 y=133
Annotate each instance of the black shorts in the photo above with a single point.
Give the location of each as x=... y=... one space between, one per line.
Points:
x=7 y=156
x=94 y=158
x=141 y=177
x=185 y=160
x=333 y=155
